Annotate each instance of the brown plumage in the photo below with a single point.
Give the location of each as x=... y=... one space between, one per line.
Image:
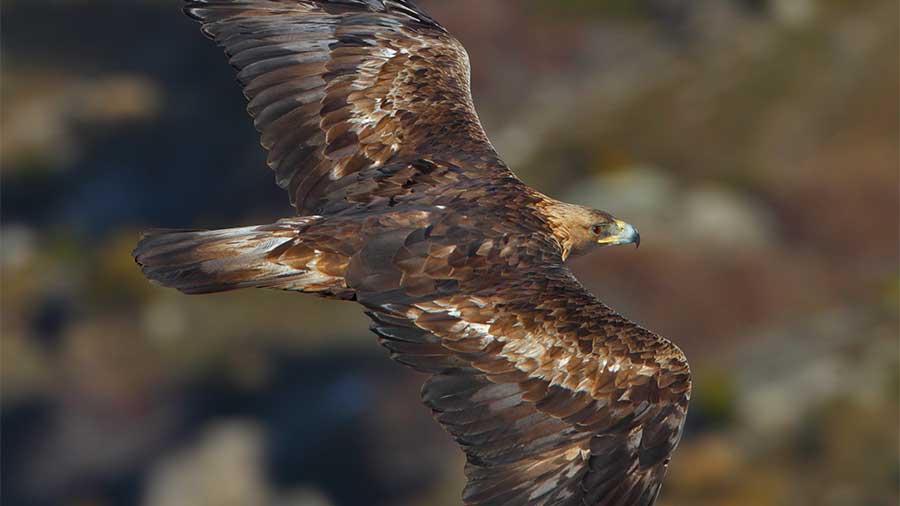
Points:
x=405 y=208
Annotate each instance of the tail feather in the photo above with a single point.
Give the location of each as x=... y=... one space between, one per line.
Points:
x=210 y=261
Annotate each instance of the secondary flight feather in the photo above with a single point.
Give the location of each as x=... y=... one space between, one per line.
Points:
x=405 y=208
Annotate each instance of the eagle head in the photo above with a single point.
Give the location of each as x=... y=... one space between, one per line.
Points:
x=580 y=229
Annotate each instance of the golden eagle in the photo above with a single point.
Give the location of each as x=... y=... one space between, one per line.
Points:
x=405 y=208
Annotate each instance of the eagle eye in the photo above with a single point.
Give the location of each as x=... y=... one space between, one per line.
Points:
x=597 y=229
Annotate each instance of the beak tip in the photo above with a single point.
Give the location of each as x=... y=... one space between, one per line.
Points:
x=634 y=236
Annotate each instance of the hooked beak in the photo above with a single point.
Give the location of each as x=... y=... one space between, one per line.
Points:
x=625 y=234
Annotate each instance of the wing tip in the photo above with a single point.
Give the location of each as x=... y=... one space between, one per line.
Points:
x=408 y=8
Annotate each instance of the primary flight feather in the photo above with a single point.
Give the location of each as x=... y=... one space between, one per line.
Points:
x=405 y=208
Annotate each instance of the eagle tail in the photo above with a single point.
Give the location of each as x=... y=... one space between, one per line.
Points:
x=211 y=261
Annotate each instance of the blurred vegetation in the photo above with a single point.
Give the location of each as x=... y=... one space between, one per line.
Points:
x=753 y=142
x=565 y=9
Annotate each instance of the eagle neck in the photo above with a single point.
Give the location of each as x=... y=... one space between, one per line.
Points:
x=559 y=218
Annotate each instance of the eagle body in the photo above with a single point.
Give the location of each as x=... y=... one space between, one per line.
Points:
x=405 y=208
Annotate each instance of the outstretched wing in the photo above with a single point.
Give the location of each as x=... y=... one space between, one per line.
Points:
x=339 y=87
x=556 y=399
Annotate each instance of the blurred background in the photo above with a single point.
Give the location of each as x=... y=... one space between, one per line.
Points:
x=753 y=142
